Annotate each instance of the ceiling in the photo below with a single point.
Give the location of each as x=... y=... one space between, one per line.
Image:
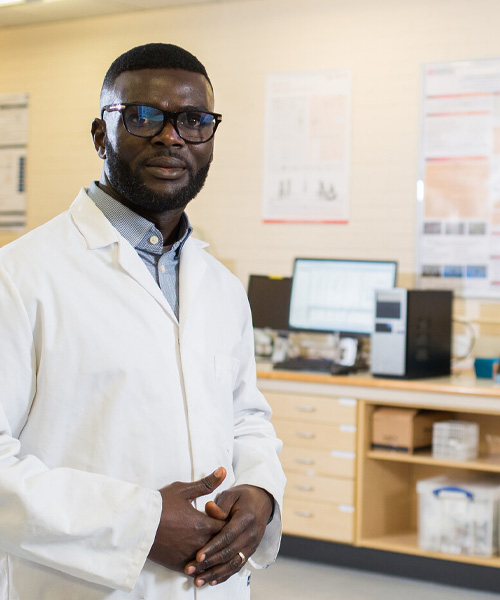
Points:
x=32 y=12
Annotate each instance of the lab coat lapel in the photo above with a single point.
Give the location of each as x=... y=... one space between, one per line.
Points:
x=99 y=233
x=191 y=273
x=131 y=262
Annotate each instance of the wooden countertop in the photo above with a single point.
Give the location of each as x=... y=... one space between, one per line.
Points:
x=464 y=383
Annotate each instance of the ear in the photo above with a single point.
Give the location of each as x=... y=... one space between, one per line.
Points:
x=98 y=131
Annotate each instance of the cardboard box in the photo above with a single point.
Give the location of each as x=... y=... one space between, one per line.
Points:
x=404 y=429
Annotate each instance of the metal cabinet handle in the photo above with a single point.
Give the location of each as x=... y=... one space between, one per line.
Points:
x=306 y=514
x=304 y=487
x=306 y=435
x=304 y=461
x=306 y=409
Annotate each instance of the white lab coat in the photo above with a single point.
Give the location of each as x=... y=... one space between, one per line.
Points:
x=105 y=398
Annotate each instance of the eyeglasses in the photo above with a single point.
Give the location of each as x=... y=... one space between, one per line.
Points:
x=141 y=120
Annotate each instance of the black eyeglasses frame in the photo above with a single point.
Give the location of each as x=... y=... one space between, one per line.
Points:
x=167 y=117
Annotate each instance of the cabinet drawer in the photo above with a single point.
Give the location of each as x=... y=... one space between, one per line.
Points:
x=313 y=408
x=318 y=462
x=319 y=520
x=316 y=435
x=317 y=488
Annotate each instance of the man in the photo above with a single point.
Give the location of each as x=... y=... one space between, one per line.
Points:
x=136 y=455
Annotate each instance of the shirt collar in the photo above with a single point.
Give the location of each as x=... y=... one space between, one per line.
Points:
x=132 y=226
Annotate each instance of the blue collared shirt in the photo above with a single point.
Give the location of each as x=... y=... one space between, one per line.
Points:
x=162 y=263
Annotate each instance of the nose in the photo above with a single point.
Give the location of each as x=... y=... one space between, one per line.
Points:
x=168 y=136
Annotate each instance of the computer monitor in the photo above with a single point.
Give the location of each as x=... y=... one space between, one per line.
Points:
x=269 y=299
x=336 y=295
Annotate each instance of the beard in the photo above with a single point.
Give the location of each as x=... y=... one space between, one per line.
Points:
x=131 y=187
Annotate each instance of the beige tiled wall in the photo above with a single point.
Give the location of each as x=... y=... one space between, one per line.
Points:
x=383 y=42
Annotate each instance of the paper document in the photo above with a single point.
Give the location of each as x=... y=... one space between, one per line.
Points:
x=307 y=134
x=459 y=209
x=13 y=152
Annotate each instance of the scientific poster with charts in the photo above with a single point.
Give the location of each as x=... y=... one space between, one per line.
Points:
x=13 y=150
x=307 y=135
x=459 y=187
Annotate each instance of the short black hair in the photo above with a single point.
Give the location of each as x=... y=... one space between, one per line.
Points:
x=153 y=56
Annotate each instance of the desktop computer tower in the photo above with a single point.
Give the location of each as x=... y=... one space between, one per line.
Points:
x=412 y=333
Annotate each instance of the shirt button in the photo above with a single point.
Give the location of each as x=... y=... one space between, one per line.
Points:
x=154 y=239
x=162 y=268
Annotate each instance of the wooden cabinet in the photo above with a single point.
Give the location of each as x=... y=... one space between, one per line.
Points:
x=388 y=502
x=339 y=489
x=319 y=451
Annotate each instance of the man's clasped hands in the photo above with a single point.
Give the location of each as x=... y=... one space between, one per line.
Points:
x=210 y=546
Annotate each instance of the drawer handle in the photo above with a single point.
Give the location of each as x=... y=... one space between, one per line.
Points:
x=343 y=454
x=305 y=435
x=348 y=428
x=306 y=409
x=306 y=514
x=304 y=461
x=304 y=488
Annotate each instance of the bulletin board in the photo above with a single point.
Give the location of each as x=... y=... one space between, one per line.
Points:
x=458 y=192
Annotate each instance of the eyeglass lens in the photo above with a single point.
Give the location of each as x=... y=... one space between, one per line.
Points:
x=147 y=121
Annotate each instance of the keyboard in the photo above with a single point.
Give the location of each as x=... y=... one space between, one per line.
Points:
x=317 y=365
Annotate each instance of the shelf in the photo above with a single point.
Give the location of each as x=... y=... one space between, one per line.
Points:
x=486 y=463
x=407 y=543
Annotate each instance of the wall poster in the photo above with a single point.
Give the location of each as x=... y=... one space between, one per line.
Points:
x=458 y=191
x=307 y=147
x=13 y=150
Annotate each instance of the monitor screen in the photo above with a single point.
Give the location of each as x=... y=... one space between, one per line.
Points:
x=269 y=299
x=330 y=295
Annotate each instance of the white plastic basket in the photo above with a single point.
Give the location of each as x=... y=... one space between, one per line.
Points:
x=458 y=517
x=455 y=440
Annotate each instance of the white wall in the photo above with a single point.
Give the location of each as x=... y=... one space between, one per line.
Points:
x=383 y=42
